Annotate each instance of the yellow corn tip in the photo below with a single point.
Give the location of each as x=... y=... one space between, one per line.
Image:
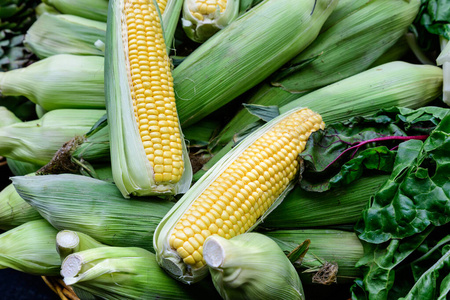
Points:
x=162 y=5
x=203 y=8
x=151 y=85
x=246 y=189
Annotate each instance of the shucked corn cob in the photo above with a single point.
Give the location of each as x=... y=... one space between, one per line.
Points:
x=147 y=147
x=234 y=195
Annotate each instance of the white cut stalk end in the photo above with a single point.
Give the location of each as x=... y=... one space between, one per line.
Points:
x=213 y=253
x=70 y=268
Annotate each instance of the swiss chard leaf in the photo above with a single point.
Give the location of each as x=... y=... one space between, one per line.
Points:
x=417 y=193
x=331 y=155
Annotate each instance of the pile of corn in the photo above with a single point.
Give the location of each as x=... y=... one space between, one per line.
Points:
x=110 y=189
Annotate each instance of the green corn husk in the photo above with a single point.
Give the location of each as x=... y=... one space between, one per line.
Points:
x=7 y=117
x=391 y=84
x=346 y=48
x=43 y=8
x=133 y=172
x=65 y=34
x=59 y=81
x=341 y=248
x=69 y=242
x=90 y=9
x=20 y=168
x=126 y=273
x=251 y=266
x=245 y=53
x=343 y=205
x=94 y=207
x=349 y=46
x=37 y=141
x=14 y=211
x=199 y=30
x=30 y=248
x=344 y=8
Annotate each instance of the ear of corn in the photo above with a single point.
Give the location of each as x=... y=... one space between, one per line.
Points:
x=251 y=266
x=90 y=9
x=53 y=82
x=148 y=153
x=244 y=53
x=339 y=247
x=125 y=273
x=343 y=8
x=391 y=84
x=37 y=141
x=94 y=207
x=234 y=196
x=64 y=34
x=14 y=211
x=30 y=248
x=202 y=18
x=349 y=46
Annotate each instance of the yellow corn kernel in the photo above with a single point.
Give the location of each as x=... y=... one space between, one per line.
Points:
x=205 y=7
x=151 y=86
x=232 y=204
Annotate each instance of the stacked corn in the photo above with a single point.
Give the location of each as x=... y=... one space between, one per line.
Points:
x=110 y=107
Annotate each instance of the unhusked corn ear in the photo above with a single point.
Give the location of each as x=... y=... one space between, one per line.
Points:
x=65 y=34
x=203 y=18
x=59 y=81
x=37 y=141
x=235 y=194
x=147 y=148
x=91 y=9
x=253 y=44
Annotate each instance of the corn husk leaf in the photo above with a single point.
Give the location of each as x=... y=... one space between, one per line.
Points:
x=240 y=270
x=94 y=207
x=14 y=211
x=30 y=248
x=37 y=141
x=59 y=81
x=125 y=272
x=64 y=34
x=392 y=84
x=90 y=9
x=343 y=205
x=342 y=248
x=249 y=50
x=7 y=117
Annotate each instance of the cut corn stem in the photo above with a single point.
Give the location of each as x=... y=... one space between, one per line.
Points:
x=125 y=273
x=231 y=198
x=148 y=152
x=68 y=242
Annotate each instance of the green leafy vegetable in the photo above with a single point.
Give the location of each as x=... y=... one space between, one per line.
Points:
x=331 y=157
